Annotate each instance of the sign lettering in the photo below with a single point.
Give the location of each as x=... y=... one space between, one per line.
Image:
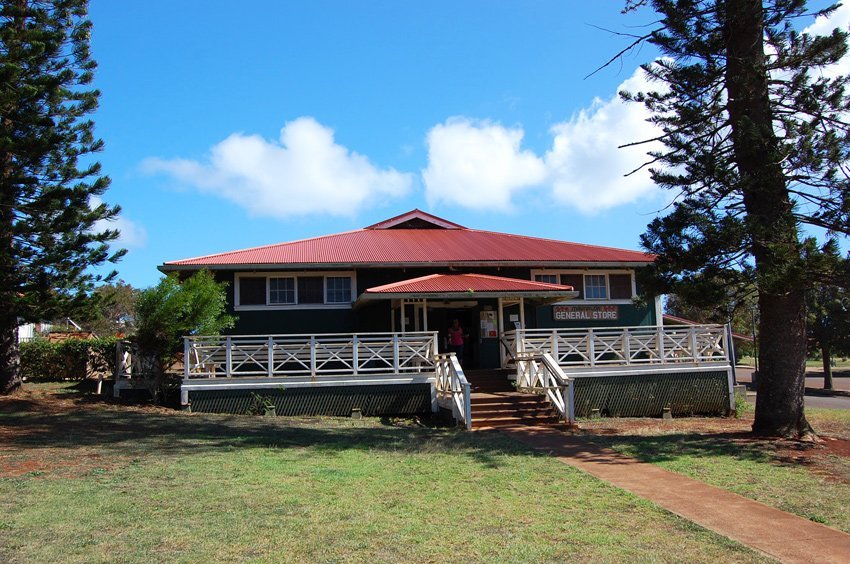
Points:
x=586 y=313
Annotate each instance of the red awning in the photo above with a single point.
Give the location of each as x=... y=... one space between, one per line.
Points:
x=468 y=286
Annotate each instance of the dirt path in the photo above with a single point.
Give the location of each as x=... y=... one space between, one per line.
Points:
x=776 y=533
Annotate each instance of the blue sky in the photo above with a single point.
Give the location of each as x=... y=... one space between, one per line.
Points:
x=229 y=125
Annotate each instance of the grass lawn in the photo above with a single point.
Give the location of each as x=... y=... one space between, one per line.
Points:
x=81 y=480
x=812 y=481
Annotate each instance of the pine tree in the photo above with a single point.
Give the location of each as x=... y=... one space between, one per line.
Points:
x=754 y=139
x=48 y=240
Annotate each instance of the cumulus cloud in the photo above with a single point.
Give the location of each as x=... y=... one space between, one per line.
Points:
x=478 y=164
x=823 y=25
x=587 y=169
x=482 y=164
x=304 y=172
x=133 y=235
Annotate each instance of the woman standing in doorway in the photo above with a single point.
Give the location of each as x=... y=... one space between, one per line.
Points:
x=456 y=338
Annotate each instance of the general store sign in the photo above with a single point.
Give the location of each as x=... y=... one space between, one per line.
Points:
x=586 y=313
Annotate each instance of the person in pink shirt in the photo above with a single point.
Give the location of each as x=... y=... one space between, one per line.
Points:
x=456 y=339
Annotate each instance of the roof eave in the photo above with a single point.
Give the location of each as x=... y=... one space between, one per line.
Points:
x=170 y=267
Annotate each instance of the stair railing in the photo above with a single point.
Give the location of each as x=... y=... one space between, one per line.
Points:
x=453 y=387
x=541 y=373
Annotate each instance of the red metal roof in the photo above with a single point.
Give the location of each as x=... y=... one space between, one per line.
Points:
x=452 y=283
x=380 y=246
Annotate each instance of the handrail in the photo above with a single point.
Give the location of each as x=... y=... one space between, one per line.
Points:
x=315 y=355
x=536 y=371
x=453 y=387
x=624 y=346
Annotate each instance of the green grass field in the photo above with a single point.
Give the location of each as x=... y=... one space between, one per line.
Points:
x=795 y=477
x=83 y=481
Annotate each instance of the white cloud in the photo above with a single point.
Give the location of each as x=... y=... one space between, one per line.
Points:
x=133 y=235
x=305 y=172
x=478 y=164
x=482 y=165
x=823 y=25
x=586 y=166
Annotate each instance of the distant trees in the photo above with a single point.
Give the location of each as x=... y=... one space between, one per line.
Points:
x=112 y=310
x=48 y=239
x=171 y=309
x=754 y=144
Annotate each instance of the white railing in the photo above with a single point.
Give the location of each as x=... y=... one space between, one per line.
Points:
x=314 y=355
x=453 y=388
x=539 y=372
x=624 y=346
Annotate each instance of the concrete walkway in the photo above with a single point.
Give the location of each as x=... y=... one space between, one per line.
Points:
x=776 y=533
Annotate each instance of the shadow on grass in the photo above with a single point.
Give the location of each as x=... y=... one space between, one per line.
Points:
x=89 y=421
x=671 y=447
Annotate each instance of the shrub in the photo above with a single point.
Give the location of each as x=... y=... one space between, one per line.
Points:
x=72 y=359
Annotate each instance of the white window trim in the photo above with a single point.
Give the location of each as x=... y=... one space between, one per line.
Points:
x=269 y=291
x=583 y=272
x=293 y=274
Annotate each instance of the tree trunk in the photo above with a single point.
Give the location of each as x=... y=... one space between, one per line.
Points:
x=10 y=362
x=782 y=366
x=771 y=224
x=826 y=355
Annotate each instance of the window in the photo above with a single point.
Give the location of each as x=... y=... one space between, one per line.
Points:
x=339 y=289
x=576 y=281
x=281 y=290
x=621 y=286
x=252 y=291
x=595 y=287
x=547 y=278
x=592 y=284
x=311 y=290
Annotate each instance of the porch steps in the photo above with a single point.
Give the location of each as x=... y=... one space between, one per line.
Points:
x=495 y=402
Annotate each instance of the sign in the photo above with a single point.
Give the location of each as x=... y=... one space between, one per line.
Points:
x=488 y=325
x=586 y=313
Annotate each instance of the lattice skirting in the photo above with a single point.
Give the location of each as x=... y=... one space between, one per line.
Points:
x=646 y=395
x=396 y=399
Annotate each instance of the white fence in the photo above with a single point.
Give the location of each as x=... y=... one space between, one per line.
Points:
x=313 y=355
x=453 y=389
x=540 y=372
x=624 y=346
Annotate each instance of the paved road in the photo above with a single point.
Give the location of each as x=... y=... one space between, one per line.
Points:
x=744 y=375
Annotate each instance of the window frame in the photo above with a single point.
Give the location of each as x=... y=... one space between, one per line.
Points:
x=590 y=272
x=268 y=306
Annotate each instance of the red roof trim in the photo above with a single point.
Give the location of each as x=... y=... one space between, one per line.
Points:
x=415 y=214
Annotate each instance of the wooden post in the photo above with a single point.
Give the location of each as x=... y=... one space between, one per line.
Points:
x=659 y=331
x=270 y=347
x=425 y=313
x=591 y=347
x=228 y=355
x=396 y=362
x=693 y=339
x=627 y=346
x=185 y=358
x=355 y=353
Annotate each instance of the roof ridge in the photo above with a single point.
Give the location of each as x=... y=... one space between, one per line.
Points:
x=589 y=245
x=269 y=246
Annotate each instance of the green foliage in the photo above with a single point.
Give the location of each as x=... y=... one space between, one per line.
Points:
x=171 y=309
x=828 y=322
x=71 y=359
x=111 y=311
x=753 y=141
x=742 y=406
x=50 y=211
